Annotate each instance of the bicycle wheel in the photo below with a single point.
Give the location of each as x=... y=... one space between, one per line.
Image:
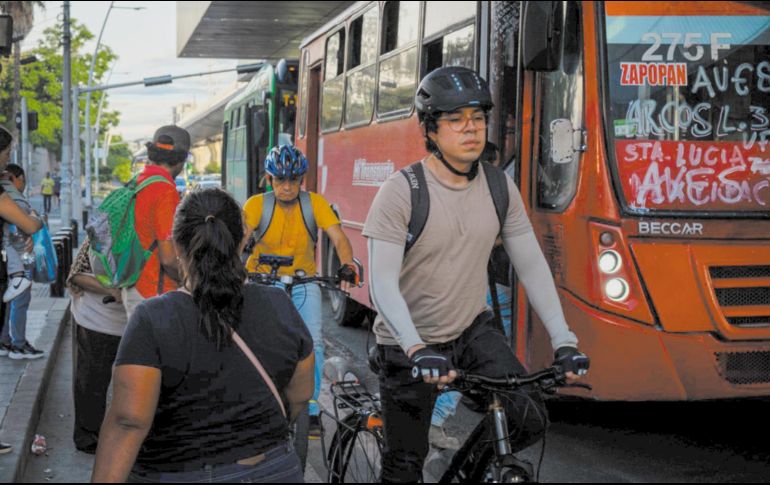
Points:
x=299 y=432
x=356 y=451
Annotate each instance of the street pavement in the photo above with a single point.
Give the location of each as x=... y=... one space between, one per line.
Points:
x=23 y=383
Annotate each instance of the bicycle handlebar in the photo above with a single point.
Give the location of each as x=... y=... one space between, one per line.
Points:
x=545 y=379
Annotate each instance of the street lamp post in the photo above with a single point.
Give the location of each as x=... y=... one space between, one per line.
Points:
x=75 y=197
x=88 y=142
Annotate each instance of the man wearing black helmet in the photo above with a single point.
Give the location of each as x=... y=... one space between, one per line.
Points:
x=431 y=230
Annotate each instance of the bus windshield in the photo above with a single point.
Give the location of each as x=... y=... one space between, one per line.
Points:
x=688 y=108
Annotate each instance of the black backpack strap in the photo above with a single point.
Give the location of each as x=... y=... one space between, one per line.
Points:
x=308 y=216
x=418 y=188
x=498 y=188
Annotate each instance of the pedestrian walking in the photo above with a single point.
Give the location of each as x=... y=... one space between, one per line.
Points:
x=46 y=188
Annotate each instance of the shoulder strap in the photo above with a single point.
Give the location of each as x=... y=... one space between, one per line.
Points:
x=418 y=189
x=149 y=181
x=254 y=360
x=308 y=216
x=498 y=188
x=268 y=208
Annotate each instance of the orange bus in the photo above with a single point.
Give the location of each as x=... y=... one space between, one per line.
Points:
x=638 y=135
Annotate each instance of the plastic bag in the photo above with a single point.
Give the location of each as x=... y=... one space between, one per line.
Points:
x=46 y=263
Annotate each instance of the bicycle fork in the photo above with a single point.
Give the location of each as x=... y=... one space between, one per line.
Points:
x=508 y=468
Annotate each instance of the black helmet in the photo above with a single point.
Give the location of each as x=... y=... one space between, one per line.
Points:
x=450 y=88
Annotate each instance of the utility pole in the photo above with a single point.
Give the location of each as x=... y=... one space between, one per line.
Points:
x=25 y=140
x=77 y=201
x=66 y=152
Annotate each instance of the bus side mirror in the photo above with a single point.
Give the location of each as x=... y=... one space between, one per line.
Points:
x=566 y=141
x=542 y=23
x=6 y=35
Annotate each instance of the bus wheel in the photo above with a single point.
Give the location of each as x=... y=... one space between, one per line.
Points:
x=338 y=302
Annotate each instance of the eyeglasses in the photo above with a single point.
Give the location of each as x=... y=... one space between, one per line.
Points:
x=458 y=122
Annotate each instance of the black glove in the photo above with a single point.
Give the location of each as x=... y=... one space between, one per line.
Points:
x=348 y=273
x=429 y=362
x=571 y=360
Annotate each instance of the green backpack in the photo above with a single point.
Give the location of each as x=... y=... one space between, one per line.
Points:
x=116 y=255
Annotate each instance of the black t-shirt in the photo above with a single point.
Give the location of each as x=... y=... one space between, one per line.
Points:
x=214 y=407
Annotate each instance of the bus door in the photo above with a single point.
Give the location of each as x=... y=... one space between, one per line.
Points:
x=552 y=127
x=312 y=151
x=258 y=142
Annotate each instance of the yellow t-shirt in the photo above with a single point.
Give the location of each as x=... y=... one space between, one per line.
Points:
x=287 y=234
x=47 y=186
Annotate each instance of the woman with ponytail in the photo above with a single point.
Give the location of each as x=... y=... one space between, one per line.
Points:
x=203 y=373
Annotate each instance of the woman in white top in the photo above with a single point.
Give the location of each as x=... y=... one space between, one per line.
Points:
x=99 y=322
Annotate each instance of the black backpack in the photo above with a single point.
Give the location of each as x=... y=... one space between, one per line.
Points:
x=415 y=175
x=498 y=189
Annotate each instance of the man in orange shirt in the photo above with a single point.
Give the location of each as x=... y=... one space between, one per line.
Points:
x=154 y=215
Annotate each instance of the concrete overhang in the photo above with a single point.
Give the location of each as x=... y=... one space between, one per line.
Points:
x=206 y=122
x=249 y=30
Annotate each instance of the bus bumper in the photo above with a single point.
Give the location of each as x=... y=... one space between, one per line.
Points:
x=634 y=361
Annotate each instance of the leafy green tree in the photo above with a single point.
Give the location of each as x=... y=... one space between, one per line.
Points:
x=213 y=167
x=23 y=14
x=122 y=172
x=41 y=84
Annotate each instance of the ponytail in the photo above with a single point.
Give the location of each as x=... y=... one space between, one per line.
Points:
x=208 y=229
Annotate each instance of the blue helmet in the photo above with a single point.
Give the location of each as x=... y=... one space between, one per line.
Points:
x=285 y=161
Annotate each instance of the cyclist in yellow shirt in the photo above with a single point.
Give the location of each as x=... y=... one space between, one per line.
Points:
x=289 y=227
x=46 y=188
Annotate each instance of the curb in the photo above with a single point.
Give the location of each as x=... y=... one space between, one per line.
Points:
x=26 y=406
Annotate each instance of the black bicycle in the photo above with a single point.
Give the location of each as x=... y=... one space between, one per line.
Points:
x=489 y=459
x=299 y=428
x=355 y=451
x=356 y=448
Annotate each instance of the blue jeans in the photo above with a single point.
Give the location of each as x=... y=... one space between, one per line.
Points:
x=446 y=404
x=309 y=303
x=15 y=330
x=281 y=465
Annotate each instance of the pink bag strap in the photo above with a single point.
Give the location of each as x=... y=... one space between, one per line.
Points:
x=254 y=360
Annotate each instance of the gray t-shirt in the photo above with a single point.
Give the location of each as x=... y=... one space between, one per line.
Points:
x=444 y=275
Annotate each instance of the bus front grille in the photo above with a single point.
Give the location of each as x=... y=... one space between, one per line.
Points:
x=744 y=368
x=743 y=294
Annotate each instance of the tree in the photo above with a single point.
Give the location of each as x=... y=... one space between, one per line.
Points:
x=213 y=167
x=23 y=14
x=122 y=172
x=42 y=86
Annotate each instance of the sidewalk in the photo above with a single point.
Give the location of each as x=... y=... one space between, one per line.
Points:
x=23 y=383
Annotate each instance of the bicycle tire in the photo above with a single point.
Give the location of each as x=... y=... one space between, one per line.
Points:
x=349 y=453
x=299 y=435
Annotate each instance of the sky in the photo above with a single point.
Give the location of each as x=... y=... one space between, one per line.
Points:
x=145 y=42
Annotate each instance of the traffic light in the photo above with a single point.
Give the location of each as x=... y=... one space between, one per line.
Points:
x=6 y=35
x=31 y=120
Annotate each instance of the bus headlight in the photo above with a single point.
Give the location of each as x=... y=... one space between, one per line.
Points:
x=616 y=289
x=610 y=262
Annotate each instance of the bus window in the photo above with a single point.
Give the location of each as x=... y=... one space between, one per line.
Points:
x=455 y=49
x=561 y=94
x=334 y=82
x=359 y=97
x=303 y=85
x=441 y=16
x=398 y=67
x=688 y=109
